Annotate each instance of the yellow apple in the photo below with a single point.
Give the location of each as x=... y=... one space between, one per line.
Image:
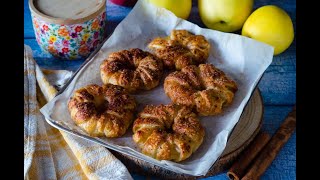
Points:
x=181 y=8
x=272 y=25
x=224 y=15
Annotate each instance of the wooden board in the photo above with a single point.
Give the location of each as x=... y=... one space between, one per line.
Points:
x=244 y=132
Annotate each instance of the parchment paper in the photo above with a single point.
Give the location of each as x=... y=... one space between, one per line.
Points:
x=241 y=58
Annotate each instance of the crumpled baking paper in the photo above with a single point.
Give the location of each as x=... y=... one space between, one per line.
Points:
x=241 y=58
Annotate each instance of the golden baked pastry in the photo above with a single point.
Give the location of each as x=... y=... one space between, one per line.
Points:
x=106 y=110
x=203 y=87
x=132 y=69
x=181 y=49
x=168 y=132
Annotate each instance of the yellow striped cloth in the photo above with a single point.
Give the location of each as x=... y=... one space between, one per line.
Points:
x=53 y=154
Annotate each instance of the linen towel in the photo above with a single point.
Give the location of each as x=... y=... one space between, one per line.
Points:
x=53 y=154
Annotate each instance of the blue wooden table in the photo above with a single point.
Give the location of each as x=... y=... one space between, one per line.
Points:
x=278 y=85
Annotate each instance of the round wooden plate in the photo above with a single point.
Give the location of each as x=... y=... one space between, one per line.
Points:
x=244 y=132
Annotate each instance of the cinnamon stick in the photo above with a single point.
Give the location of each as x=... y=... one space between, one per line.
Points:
x=268 y=154
x=238 y=169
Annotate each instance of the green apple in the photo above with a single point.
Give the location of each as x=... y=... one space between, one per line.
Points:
x=224 y=15
x=181 y=8
x=272 y=25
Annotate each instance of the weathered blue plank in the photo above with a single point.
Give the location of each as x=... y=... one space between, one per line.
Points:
x=28 y=28
x=221 y=176
x=278 y=85
x=45 y=60
x=284 y=166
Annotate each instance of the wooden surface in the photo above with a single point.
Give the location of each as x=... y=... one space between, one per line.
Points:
x=278 y=85
x=244 y=132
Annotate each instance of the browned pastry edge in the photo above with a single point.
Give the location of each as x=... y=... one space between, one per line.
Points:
x=133 y=69
x=180 y=49
x=203 y=87
x=168 y=132
x=106 y=110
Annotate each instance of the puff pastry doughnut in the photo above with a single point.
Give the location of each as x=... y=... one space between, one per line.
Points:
x=181 y=49
x=106 y=110
x=168 y=132
x=132 y=69
x=203 y=87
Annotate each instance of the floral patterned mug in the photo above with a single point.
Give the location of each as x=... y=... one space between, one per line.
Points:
x=72 y=35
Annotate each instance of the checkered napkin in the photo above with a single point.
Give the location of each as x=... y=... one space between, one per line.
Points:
x=53 y=154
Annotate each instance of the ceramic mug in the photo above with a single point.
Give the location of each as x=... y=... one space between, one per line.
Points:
x=69 y=38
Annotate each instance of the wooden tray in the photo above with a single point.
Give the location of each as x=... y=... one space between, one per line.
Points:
x=244 y=132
